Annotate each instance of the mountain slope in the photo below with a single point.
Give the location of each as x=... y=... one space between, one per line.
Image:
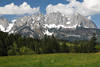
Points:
x=57 y=19
x=56 y=24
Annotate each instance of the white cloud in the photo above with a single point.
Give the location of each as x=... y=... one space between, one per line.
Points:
x=92 y=5
x=86 y=8
x=14 y=9
x=66 y=10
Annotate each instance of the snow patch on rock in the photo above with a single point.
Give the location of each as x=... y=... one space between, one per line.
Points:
x=2 y=28
x=68 y=22
x=53 y=26
x=58 y=26
x=47 y=33
x=13 y=20
x=9 y=27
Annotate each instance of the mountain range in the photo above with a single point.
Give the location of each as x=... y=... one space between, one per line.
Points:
x=64 y=27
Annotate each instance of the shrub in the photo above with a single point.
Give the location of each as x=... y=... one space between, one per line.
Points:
x=97 y=48
x=13 y=50
x=25 y=51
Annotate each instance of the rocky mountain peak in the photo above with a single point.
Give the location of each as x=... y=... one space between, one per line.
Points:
x=4 y=22
x=82 y=21
x=61 y=26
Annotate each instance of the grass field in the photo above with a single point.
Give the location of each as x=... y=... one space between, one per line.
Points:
x=52 y=60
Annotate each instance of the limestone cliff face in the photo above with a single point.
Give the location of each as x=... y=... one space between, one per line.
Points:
x=61 y=26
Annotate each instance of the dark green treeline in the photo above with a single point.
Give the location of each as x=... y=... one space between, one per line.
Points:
x=15 y=44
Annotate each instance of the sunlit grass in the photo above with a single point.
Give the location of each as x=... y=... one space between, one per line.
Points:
x=52 y=60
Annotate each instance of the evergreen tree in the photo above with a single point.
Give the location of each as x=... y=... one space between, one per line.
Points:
x=92 y=43
x=64 y=48
x=13 y=50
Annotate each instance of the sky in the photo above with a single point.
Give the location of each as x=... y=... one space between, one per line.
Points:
x=11 y=9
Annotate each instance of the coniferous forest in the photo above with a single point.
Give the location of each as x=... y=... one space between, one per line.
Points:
x=15 y=44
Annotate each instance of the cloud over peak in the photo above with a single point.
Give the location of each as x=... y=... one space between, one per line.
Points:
x=86 y=8
x=24 y=8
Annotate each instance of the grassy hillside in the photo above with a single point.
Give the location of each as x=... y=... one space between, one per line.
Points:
x=52 y=60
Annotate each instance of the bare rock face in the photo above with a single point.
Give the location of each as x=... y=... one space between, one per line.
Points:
x=73 y=21
x=30 y=26
x=56 y=24
x=3 y=24
x=82 y=21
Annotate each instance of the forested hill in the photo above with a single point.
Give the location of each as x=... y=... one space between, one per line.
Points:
x=15 y=44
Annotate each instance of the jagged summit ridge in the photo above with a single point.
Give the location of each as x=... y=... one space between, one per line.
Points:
x=73 y=21
x=52 y=20
x=82 y=21
x=57 y=24
x=5 y=25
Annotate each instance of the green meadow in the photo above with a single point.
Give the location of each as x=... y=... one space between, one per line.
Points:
x=52 y=60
